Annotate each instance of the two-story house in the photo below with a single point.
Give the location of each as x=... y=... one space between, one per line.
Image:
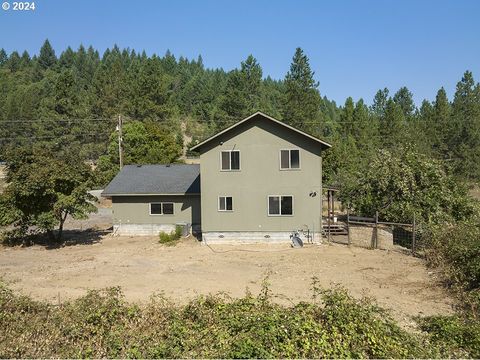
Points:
x=260 y=180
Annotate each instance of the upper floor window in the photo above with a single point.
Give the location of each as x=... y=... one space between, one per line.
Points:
x=230 y=160
x=289 y=159
x=161 y=208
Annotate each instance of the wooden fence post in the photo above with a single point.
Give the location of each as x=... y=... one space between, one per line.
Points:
x=413 y=236
x=329 y=212
x=375 y=242
x=348 y=226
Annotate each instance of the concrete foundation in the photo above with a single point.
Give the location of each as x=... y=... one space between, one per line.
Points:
x=252 y=237
x=363 y=236
x=142 y=229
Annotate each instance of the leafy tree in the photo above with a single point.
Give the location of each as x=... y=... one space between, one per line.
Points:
x=406 y=183
x=143 y=143
x=302 y=99
x=43 y=190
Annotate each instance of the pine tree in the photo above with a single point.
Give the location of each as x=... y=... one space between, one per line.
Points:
x=364 y=127
x=392 y=124
x=251 y=74
x=14 y=62
x=441 y=124
x=422 y=130
x=466 y=139
x=302 y=99
x=67 y=58
x=3 y=57
x=404 y=98
x=380 y=103
x=81 y=62
x=346 y=118
x=47 y=57
x=25 y=59
x=242 y=93
x=234 y=102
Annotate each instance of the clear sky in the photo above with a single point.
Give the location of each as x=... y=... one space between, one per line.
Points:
x=354 y=47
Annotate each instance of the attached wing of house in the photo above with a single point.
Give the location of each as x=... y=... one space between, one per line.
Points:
x=147 y=199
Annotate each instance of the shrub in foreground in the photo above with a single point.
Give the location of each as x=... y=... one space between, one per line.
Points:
x=102 y=324
x=455 y=250
x=456 y=333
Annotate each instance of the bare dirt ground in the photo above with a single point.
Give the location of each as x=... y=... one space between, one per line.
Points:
x=142 y=266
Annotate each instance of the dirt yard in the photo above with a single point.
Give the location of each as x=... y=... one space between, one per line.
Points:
x=141 y=266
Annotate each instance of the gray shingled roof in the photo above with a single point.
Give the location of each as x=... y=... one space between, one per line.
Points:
x=155 y=179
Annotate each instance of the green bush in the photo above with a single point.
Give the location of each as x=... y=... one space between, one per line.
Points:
x=456 y=249
x=102 y=324
x=454 y=333
x=170 y=239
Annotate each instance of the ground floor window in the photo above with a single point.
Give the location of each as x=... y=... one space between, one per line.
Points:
x=162 y=208
x=225 y=203
x=279 y=205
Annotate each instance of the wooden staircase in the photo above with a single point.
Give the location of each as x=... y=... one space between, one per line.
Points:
x=337 y=228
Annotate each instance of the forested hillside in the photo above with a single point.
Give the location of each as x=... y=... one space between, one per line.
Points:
x=71 y=101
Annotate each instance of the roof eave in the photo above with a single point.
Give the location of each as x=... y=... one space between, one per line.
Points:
x=145 y=194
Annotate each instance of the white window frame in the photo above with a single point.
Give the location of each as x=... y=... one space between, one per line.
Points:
x=289 y=160
x=230 y=160
x=280 y=205
x=224 y=196
x=161 y=208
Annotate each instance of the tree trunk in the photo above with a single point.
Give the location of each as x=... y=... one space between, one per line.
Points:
x=60 y=226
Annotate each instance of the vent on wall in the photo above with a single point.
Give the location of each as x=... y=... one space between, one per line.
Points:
x=221 y=236
x=267 y=236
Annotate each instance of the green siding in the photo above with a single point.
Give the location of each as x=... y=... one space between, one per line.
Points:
x=136 y=209
x=260 y=142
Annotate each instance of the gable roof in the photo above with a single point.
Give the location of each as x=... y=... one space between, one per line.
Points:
x=321 y=142
x=172 y=179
